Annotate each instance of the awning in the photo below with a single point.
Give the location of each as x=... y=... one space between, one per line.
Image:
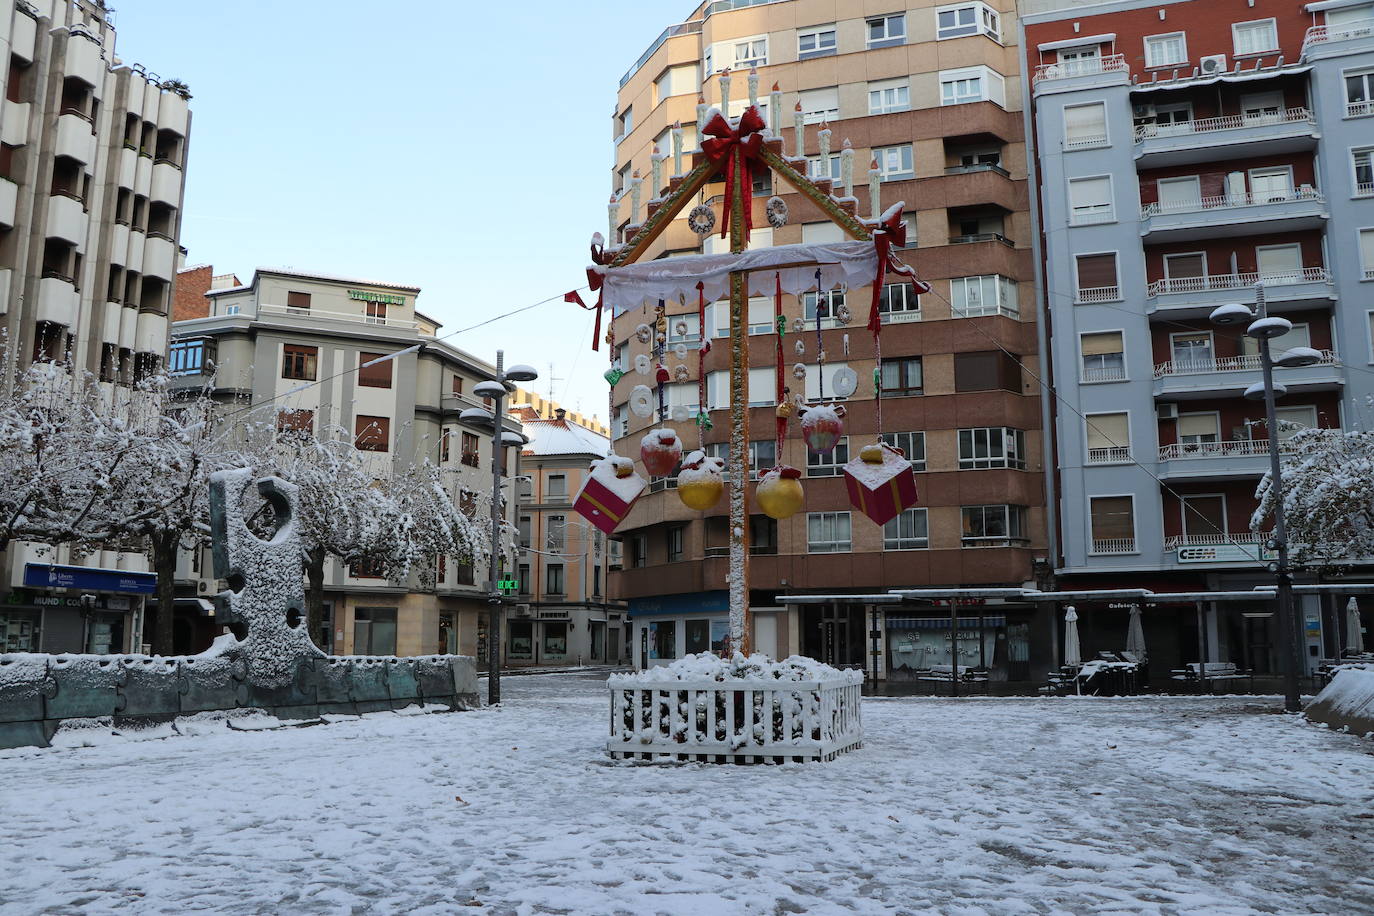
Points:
x=1078 y=41
x=966 y=622
x=1243 y=76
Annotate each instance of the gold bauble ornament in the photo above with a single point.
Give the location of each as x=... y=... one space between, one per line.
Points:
x=702 y=493
x=779 y=494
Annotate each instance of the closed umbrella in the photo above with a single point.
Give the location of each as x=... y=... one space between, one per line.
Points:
x=1354 y=640
x=1073 y=655
x=1135 y=635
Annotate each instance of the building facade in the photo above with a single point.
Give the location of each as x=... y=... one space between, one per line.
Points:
x=92 y=163
x=295 y=343
x=932 y=94
x=1189 y=152
x=564 y=614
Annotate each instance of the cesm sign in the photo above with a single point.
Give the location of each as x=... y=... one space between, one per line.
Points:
x=1225 y=553
x=42 y=575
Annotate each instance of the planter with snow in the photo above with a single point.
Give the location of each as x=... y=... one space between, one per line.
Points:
x=740 y=710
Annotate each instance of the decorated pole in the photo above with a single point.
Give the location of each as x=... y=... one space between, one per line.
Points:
x=738 y=578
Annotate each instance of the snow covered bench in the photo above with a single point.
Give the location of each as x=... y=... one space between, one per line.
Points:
x=740 y=710
x=1215 y=671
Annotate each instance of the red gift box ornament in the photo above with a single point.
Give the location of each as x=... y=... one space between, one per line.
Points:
x=660 y=450
x=608 y=492
x=822 y=428
x=880 y=482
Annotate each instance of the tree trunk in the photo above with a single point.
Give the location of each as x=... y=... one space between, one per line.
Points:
x=314 y=591
x=164 y=545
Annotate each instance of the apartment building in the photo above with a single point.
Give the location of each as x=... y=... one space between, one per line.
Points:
x=92 y=159
x=542 y=407
x=266 y=342
x=932 y=93
x=1189 y=152
x=564 y=614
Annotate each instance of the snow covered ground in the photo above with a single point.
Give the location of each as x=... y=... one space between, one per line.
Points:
x=1181 y=805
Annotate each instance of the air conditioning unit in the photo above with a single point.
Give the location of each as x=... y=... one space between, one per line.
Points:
x=1213 y=64
x=1167 y=411
x=1143 y=112
x=206 y=587
x=522 y=610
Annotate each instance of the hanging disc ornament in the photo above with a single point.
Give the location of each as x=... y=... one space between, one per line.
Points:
x=779 y=493
x=660 y=450
x=644 y=333
x=614 y=375
x=682 y=374
x=680 y=328
x=681 y=414
x=798 y=325
x=822 y=428
x=702 y=219
x=700 y=482
x=777 y=212
x=680 y=350
x=641 y=401
x=844 y=382
x=643 y=363
x=800 y=347
x=799 y=370
x=843 y=313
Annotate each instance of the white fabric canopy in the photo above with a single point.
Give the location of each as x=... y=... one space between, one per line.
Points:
x=848 y=264
x=1135 y=635
x=1354 y=639
x=1073 y=655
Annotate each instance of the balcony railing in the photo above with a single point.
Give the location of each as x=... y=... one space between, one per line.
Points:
x=1359 y=109
x=1233 y=448
x=1230 y=201
x=1099 y=294
x=980 y=237
x=977 y=167
x=1112 y=63
x=1226 y=122
x=755 y=550
x=1364 y=189
x=1225 y=364
x=1105 y=374
x=682 y=28
x=1175 y=541
x=1114 y=545
x=266 y=309
x=1113 y=455
x=1171 y=285
x=1320 y=34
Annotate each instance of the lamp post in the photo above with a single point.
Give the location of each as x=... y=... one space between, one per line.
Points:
x=496 y=389
x=1263 y=328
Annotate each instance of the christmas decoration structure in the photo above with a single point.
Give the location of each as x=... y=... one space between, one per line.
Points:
x=660 y=450
x=822 y=427
x=779 y=493
x=701 y=482
x=880 y=482
x=608 y=492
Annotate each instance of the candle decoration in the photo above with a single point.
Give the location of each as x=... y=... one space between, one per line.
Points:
x=656 y=173
x=824 y=137
x=875 y=180
x=847 y=168
x=677 y=148
x=725 y=92
x=799 y=126
x=753 y=83
x=635 y=182
x=775 y=111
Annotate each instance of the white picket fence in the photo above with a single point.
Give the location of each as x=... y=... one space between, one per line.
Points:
x=745 y=721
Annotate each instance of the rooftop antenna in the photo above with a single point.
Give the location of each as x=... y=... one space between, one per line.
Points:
x=552 y=378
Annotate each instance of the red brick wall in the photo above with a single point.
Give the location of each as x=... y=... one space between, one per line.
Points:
x=191 y=287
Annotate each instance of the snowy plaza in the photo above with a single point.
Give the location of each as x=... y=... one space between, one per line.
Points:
x=1133 y=805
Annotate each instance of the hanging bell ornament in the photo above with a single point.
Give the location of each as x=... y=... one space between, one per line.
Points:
x=779 y=493
x=786 y=409
x=614 y=375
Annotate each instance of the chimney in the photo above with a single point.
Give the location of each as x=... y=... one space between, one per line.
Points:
x=559 y=413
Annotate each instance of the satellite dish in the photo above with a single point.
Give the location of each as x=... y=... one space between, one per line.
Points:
x=845 y=381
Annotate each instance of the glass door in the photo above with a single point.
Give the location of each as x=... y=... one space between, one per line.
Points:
x=1271 y=185
x=1075 y=61
x=1194 y=351
x=1180 y=193
x=1279 y=263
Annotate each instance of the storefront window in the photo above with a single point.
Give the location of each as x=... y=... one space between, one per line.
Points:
x=448 y=635
x=663 y=639
x=18 y=632
x=919 y=644
x=105 y=634
x=374 y=631
x=555 y=639
x=720 y=636
x=698 y=633
x=521 y=639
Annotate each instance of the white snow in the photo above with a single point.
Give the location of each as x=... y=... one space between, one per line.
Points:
x=605 y=471
x=1134 y=805
x=709 y=667
x=563 y=437
x=872 y=475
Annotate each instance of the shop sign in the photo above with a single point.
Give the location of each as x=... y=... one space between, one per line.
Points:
x=1225 y=553
x=694 y=603
x=363 y=295
x=42 y=575
x=102 y=602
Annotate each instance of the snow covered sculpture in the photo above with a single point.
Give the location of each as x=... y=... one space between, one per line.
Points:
x=822 y=427
x=266 y=596
x=880 y=482
x=660 y=450
x=700 y=483
x=608 y=492
x=779 y=493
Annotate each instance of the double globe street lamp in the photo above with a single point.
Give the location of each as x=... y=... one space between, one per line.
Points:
x=1263 y=329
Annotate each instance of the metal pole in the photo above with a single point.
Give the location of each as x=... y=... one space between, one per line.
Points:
x=1201 y=647
x=493 y=591
x=954 y=646
x=1289 y=647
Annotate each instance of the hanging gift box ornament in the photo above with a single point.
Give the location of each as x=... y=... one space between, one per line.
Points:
x=608 y=492
x=660 y=450
x=822 y=428
x=614 y=375
x=700 y=482
x=779 y=493
x=880 y=483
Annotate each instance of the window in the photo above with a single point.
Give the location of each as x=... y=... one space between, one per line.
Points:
x=815 y=372
x=972 y=84
x=1350 y=21
x=372 y=434
x=763 y=455
x=675 y=536
x=970 y=19
x=374 y=631
x=993 y=526
x=1109 y=437
x=1104 y=360
x=994 y=447
x=1166 y=50
x=1363 y=162
x=553 y=579
x=820 y=105
x=821 y=233
x=1198 y=430
x=697 y=635
x=830 y=464
x=1185 y=272
x=901 y=377
x=555 y=637
x=298 y=301
x=828 y=532
x=894 y=162
x=991 y=294
x=639 y=551
x=817 y=41
x=1279 y=263
x=684 y=328
x=663 y=639
x=1258 y=37
x=1080 y=60
x=468 y=454
x=184 y=357
x=378 y=376
x=751 y=52
x=1367 y=253
x=1113 y=524
x=986 y=371
x=1097 y=278
x=299 y=362
x=555 y=532
x=823 y=304
x=1298 y=336
x=624 y=123
x=913 y=446
x=457 y=384
x=680 y=79
x=1085 y=125
x=886 y=31
x=525 y=529
x=558 y=485
x=908 y=531
x=622 y=421
x=295 y=422
x=816 y=169
x=1359 y=93
x=1193 y=351
x=376 y=313
x=887 y=96
x=1090 y=201
x=899 y=302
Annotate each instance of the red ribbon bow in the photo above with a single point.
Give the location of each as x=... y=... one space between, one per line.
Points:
x=595 y=279
x=888 y=233
x=724 y=140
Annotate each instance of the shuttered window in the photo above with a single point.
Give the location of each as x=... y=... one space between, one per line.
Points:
x=378 y=376
x=1109 y=430
x=1096 y=271
x=372 y=434
x=298 y=300
x=1099 y=344
x=1085 y=125
x=1112 y=518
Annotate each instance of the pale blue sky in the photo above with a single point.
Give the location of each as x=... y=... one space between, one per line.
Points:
x=461 y=147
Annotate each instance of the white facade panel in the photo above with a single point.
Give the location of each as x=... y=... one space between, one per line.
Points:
x=67 y=220
x=75 y=138
x=58 y=301
x=14 y=123
x=84 y=61
x=159 y=258
x=166 y=184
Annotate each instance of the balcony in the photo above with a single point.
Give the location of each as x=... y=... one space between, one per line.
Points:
x=159 y=256
x=67 y=218
x=1110 y=546
x=1197 y=378
x=1233 y=215
x=1359 y=109
x=166 y=183
x=75 y=137
x=1111 y=70
x=274 y=311
x=9 y=202
x=1103 y=374
x=1098 y=294
x=1117 y=454
x=1320 y=37
x=1227 y=137
x=14 y=123
x=84 y=59
x=58 y=300
x=1195 y=297
x=981 y=237
x=1229 y=460
x=1240 y=547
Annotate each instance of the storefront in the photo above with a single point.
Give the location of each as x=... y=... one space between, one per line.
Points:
x=667 y=627
x=74 y=609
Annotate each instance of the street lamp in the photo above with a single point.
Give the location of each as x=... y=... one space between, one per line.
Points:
x=496 y=389
x=1263 y=328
